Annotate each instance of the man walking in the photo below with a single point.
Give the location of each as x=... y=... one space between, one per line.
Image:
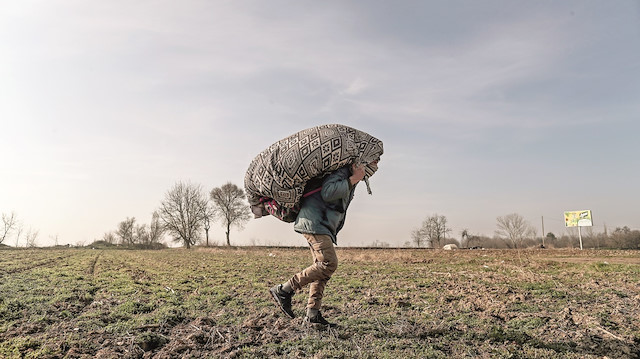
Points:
x=321 y=217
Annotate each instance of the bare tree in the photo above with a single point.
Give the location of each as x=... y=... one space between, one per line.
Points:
x=229 y=201
x=54 y=239
x=9 y=222
x=417 y=237
x=109 y=237
x=625 y=237
x=141 y=235
x=208 y=216
x=464 y=240
x=434 y=230
x=514 y=229
x=589 y=234
x=31 y=238
x=19 y=230
x=181 y=212
x=470 y=240
x=126 y=230
x=156 y=231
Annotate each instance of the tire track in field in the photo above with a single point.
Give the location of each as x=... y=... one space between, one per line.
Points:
x=35 y=265
x=92 y=266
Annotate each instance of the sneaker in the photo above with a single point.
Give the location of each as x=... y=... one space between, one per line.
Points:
x=318 y=319
x=283 y=300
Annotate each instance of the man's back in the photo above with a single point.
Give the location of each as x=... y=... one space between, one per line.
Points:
x=324 y=212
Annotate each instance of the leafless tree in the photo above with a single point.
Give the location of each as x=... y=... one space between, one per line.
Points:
x=464 y=237
x=514 y=229
x=9 y=222
x=141 y=235
x=126 y=230
x=156 y=231
x=31 y=238
x=417 y=237
x=109 y=237
x=19 y=230
x=232 y=209
x=54 y=239
x=625 y=237
x=470 y=240
x=182 y=211
x=434 y=230
x=589 y=233
x=208 y=217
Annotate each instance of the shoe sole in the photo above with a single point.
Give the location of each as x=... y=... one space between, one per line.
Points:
x=277 y=302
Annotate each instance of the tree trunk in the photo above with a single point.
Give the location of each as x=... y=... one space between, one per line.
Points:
x=228 y=230
x=207 y=232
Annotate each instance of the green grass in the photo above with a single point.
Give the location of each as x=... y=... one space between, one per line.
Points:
x=390 y=304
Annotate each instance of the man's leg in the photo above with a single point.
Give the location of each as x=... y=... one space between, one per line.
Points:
x=324 y=256
x=324 y=264
x=316 y=292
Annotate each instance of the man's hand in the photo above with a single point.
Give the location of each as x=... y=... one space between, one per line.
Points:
x=357 y=173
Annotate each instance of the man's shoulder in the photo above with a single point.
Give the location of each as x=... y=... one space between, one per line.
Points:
x=341 y=172
x=337 y=175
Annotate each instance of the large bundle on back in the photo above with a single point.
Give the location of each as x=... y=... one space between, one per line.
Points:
x=276 y=179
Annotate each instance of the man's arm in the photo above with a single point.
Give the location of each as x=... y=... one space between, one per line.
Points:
x=357 y=174
x=339 y=184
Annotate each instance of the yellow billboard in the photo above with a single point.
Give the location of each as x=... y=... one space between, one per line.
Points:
x=578 y=218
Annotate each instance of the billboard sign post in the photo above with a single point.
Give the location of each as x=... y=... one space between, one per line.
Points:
x=578 y=219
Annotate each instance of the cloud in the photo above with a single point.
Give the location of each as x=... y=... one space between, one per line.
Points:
x=356 y=87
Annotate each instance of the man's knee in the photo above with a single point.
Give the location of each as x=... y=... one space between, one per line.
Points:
x=328 y=266
x=332 y=264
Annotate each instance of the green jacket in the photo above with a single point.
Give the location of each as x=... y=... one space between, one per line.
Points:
x=324 y=212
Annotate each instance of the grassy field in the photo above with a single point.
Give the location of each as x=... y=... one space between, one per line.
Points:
x=390 y=304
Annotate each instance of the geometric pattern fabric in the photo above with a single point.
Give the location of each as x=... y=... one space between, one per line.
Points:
x=281 y=171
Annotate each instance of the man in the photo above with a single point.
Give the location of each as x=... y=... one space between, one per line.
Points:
x=321 y=217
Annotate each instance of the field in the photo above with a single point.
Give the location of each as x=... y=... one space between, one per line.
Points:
x=390 y=303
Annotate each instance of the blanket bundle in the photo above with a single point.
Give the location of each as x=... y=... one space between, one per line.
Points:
x=279 y=174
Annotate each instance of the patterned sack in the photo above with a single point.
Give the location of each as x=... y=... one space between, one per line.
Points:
x=276 y=178
x=282 y=213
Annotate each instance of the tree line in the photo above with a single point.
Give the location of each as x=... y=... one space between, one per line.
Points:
x=513 y=231
x=12 y=226
x=185 y=214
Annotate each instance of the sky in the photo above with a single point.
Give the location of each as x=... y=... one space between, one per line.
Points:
x=485 y=108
